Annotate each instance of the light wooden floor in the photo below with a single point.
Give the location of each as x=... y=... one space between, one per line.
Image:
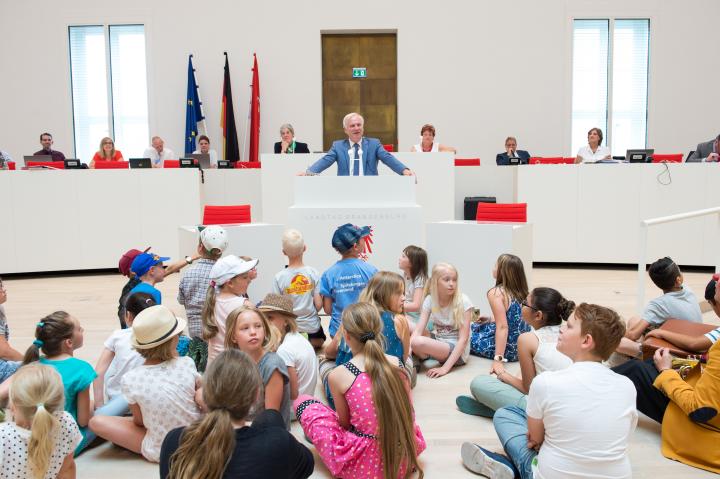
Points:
x=93 y=300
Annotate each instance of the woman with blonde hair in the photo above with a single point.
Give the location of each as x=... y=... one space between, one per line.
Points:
x=373 y=434
x=40 y=441
x=221 y=444
x=498 y=338
x=107 y=152
x=448 y=344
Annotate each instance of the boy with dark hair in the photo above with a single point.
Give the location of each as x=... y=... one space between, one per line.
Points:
x=677 y=302
x=582 y=416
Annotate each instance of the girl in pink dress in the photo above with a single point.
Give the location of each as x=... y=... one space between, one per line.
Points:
x=373 y=433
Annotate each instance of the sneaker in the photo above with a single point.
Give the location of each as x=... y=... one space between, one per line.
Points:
x=431 y=363
x=486 y=463
x=469 y=405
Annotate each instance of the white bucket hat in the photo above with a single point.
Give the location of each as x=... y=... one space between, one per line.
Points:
x=228 y=267
x=154 y=326
x=214 y=237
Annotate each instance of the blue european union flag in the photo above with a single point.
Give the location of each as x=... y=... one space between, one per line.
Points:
x=193 y=110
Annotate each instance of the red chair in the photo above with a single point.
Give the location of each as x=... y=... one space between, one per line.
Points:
x=502 y=213
x=389 y=148
x=171 y=164
x=58 y=165
x=467 y=161
x=226 y=215
x=248 y=164
x=111 y=165
x=674 y=158
x=11 y=165
x=553 y=160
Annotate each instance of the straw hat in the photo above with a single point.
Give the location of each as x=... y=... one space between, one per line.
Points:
x=278 y=303
x=154 y=326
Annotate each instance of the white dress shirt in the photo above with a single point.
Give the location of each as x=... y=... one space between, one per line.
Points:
x=157 y=158
x=351 y=155
x=588 y=156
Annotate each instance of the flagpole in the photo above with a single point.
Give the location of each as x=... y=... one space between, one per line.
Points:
x=246 y=147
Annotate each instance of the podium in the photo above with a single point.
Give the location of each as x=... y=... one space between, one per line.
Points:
x=385 y=203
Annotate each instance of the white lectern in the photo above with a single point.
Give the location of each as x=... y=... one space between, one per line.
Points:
x=385 y=203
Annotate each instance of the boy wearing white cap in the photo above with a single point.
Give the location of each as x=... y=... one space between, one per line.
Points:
x=194 y=283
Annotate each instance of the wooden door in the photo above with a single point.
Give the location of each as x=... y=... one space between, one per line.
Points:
x=374 y=97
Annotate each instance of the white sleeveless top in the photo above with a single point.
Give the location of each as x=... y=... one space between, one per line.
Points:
x=435 y=148
x=547 y=357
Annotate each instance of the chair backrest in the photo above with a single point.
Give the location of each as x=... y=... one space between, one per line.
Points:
x=389 y=148
x=502 y=212
x=467 y=161
x=673 y=158
x=226 y=214
x=554 y=160
x=171 y=164
x=248 y=164
x=569 y=161
x=58 y=165
x=11 y=165
x=111 y=165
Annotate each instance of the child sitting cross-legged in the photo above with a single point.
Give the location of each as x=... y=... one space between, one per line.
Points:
x=161 y=392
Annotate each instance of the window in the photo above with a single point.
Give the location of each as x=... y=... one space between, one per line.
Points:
x=610 y=78
x=109 y=88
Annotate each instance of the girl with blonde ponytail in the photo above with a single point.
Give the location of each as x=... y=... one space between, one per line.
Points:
x=375 y=421
x=40 y=441
x=220 y=444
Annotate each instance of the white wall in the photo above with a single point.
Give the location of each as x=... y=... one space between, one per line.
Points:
x=478 y=70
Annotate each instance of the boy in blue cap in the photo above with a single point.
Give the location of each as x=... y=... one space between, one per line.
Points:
x=341 y=284
x=149 y=269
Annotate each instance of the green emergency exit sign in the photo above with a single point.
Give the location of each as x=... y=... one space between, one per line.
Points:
x=359 y=72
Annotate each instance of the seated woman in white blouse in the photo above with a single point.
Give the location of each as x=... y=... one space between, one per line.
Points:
x=204 y=144
x=427 y=142
x=593 y=151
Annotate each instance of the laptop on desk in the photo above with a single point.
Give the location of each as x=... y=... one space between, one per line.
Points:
x=140 y=163
x=41 y=158
x=202 y=159
x=639 y=156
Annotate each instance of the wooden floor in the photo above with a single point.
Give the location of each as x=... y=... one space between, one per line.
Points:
x=93 y=300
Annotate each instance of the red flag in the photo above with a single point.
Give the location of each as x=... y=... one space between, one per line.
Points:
x=255 y=114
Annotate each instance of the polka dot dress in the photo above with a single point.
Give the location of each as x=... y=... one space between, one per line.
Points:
x=14 y=448
x=353 y=453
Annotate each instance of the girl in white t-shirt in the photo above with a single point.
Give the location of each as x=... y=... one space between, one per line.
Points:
x=294 y=349
x=230 y=278
x=450 y=311
x=544 y=309
x=413 y=263
x=161 y=392
x=117 y=358
x=40 y=440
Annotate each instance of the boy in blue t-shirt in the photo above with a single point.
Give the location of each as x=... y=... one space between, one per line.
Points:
x=149 y=268
x=341 y=284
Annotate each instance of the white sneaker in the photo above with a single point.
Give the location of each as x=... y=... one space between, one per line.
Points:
x=431 y=363
x=486 y=463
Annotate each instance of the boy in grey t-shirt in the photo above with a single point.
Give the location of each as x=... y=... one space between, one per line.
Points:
x=677 y=302
x=300 y=282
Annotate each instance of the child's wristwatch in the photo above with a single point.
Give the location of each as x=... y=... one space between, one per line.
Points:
x=188 y=259
x=500 y=358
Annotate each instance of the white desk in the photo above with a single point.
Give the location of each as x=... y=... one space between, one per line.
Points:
x=473 y=248
x=86 y=219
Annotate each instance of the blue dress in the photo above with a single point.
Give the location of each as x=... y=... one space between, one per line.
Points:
x=482 y=335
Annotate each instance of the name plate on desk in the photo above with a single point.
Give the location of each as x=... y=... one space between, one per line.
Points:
x=355 y=191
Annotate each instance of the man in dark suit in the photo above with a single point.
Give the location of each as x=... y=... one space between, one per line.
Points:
x=288 y=144
x=356 y=155
x=46 y=140
x=512 y=155
x=707 y=151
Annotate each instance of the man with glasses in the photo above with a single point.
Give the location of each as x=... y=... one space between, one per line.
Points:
x=46 y=140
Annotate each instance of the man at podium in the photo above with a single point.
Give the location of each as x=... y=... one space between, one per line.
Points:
x=357 y=156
